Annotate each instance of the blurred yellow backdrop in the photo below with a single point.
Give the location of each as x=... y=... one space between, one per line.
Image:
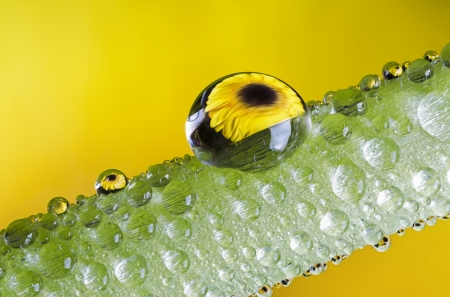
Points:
x=91 y=85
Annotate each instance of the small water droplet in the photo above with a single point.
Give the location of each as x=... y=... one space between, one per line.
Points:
x=58 y=205
x=274 y=192
x=426 y=182
x=420 y=70
x=336 y=128
x=110 y=181
x=391 y=199
x=392 y=70
x=334 y=223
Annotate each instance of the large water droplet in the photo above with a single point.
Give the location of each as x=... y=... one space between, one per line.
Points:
x=306 y=209
x=426 y=182
x=58 y=205
x=139 y=193
x=349 y=182
x=250 y=121
x=159 y=175
x=90 y=216
x=349 y=102
x=110 y=181
x=223 y=236
x=178 y=229
x=247 y=209
x=391 y=199
x=268 y=256
x=372 y=234
x=25 y=283
x=108 y=235
x=140 y=226
x=95 y=276
x=381 y=153
x=392 y=70
x=175 y=261
x=334 y=223
x=131 y=271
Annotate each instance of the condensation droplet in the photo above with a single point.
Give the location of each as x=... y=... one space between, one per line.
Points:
x=306 y=209
x=274 y=192
x=391 y=199
x=336 y=128
x=420 y=70
x=178 y=197
x=301 y=243
x=131 y=271
x=381 y=153
x=426 y=182
x=434 y=115
x=268 y=256
x=349 y=182
x=334 y=223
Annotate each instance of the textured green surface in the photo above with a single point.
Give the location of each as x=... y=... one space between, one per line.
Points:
x=377 y=166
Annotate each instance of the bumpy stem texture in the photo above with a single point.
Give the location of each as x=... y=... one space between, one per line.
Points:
x=375 y=163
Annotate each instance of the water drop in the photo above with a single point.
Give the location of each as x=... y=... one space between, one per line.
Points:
x=440 y=206
x=108 y=236
x=20 y=233
x=405 y=65
x=247 y=209
x=336 y=128
x=250 y=121
x=380 y=123
x=370 y=82
x=95 y=276
x=334 y=223
x=248 y=252
x=176 y=261
x=391 y=199
x=392 y=70
x=419 y=225
x=420 y=70
x=49 y=221
x=131 y=271
x=349 y=102
x=110 y=181
x=274 y=192
x=336 y=260
x=226 y=274
x=178 y=229
x=411 y=205
x=268 y=256
x=426 y=182
x=434 y=114
x=58 y=205
x=381 y=153
x=25 y=283
x=159 y=175
x=328 y=97
x=401 y=125
x=90 y=216
x=303 y=175
x=141 y=225
x=349 y=182
x=445 y=55
x=432 y=57
x=138 y=193
x=372 y=234
x=178 y=197
x=56 y=260
x=301 y=243
x=265 y=291
x=306 y=209
x=223 y=237
x=383 y=245
x=401 y=232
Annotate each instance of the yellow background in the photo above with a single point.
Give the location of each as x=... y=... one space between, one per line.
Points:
x=91 y=85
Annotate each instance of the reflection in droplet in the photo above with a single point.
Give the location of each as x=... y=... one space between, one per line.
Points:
x=420 y=70
x=392 y=70
x=20 y=233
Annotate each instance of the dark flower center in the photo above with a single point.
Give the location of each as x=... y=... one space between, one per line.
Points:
x=257 y=95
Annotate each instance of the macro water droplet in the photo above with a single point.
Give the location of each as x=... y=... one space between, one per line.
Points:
x=381 y=153
x=370 y=82
x=418 y=225
x=383 y=245
x=405 y=65
x=349 y=102
x=215 y=219
x=249 y=252
x=306 y=209
x=90 y=216
x=20 y=233
x=159 y=175
x=303 y=175
x=95 y=275
x=391 y=199
x=56 y=260
x=69 y=220
x=247 y=209
x=426 y=182
x=445 y=55
x=392 y=70
x=131 y=271
x=108 y=235
x=49 y=221
x=232 y=122
x=233 y=180
x=25 y=283
x=401 y=125
x=349 y=182
x=301 y=243
x=176 y=261
x=274 y=192
x=434 y=114
x=372 y=234
x=226 y=274
x=178 y=197
x=268 y=256
x=224 y=237
x=380 y=123
x=110 y=181
x=336 y=128
x=178 y=229
x=432 y=57
x=440 y=206
x=138 y=193
x=328 y=97
x=334 y=223
x=420 y=70
x=141 y=225
x=195 y=288
x=58 y=205
x=411 y=205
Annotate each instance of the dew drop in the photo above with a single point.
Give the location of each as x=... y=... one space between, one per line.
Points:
x=268 y=256
x=274 y=192
x=178 y=197
x=138 y=193
x=432 y=57
x=223 y=237
x=434 y=115
x=392 y=70
x=90 y=216
x=301 y=243
x=178 y=229
x=349 y=102
x=419 y=225
x=372 y=234
x=56 y=260
x=383 y=245
x=25 y=283
x=380 y=123
x=303 y=175
x=159 y=175
x=176 y=261
x=401 y=125
x=370 y=82
x=426 y=182
x=334 y=223
x=391 y=199
x=108 y=236
x=349 y=182
x=110 y=181
x=445 y=55
x=381 y=153
x=306 y=209
x=420 y=70
x=141 y=225
x=247 y=209
x=20 y=233
x=132 y=271
x=49 y=221
x=336 y=128
x=58 y=205
x=95 y=275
